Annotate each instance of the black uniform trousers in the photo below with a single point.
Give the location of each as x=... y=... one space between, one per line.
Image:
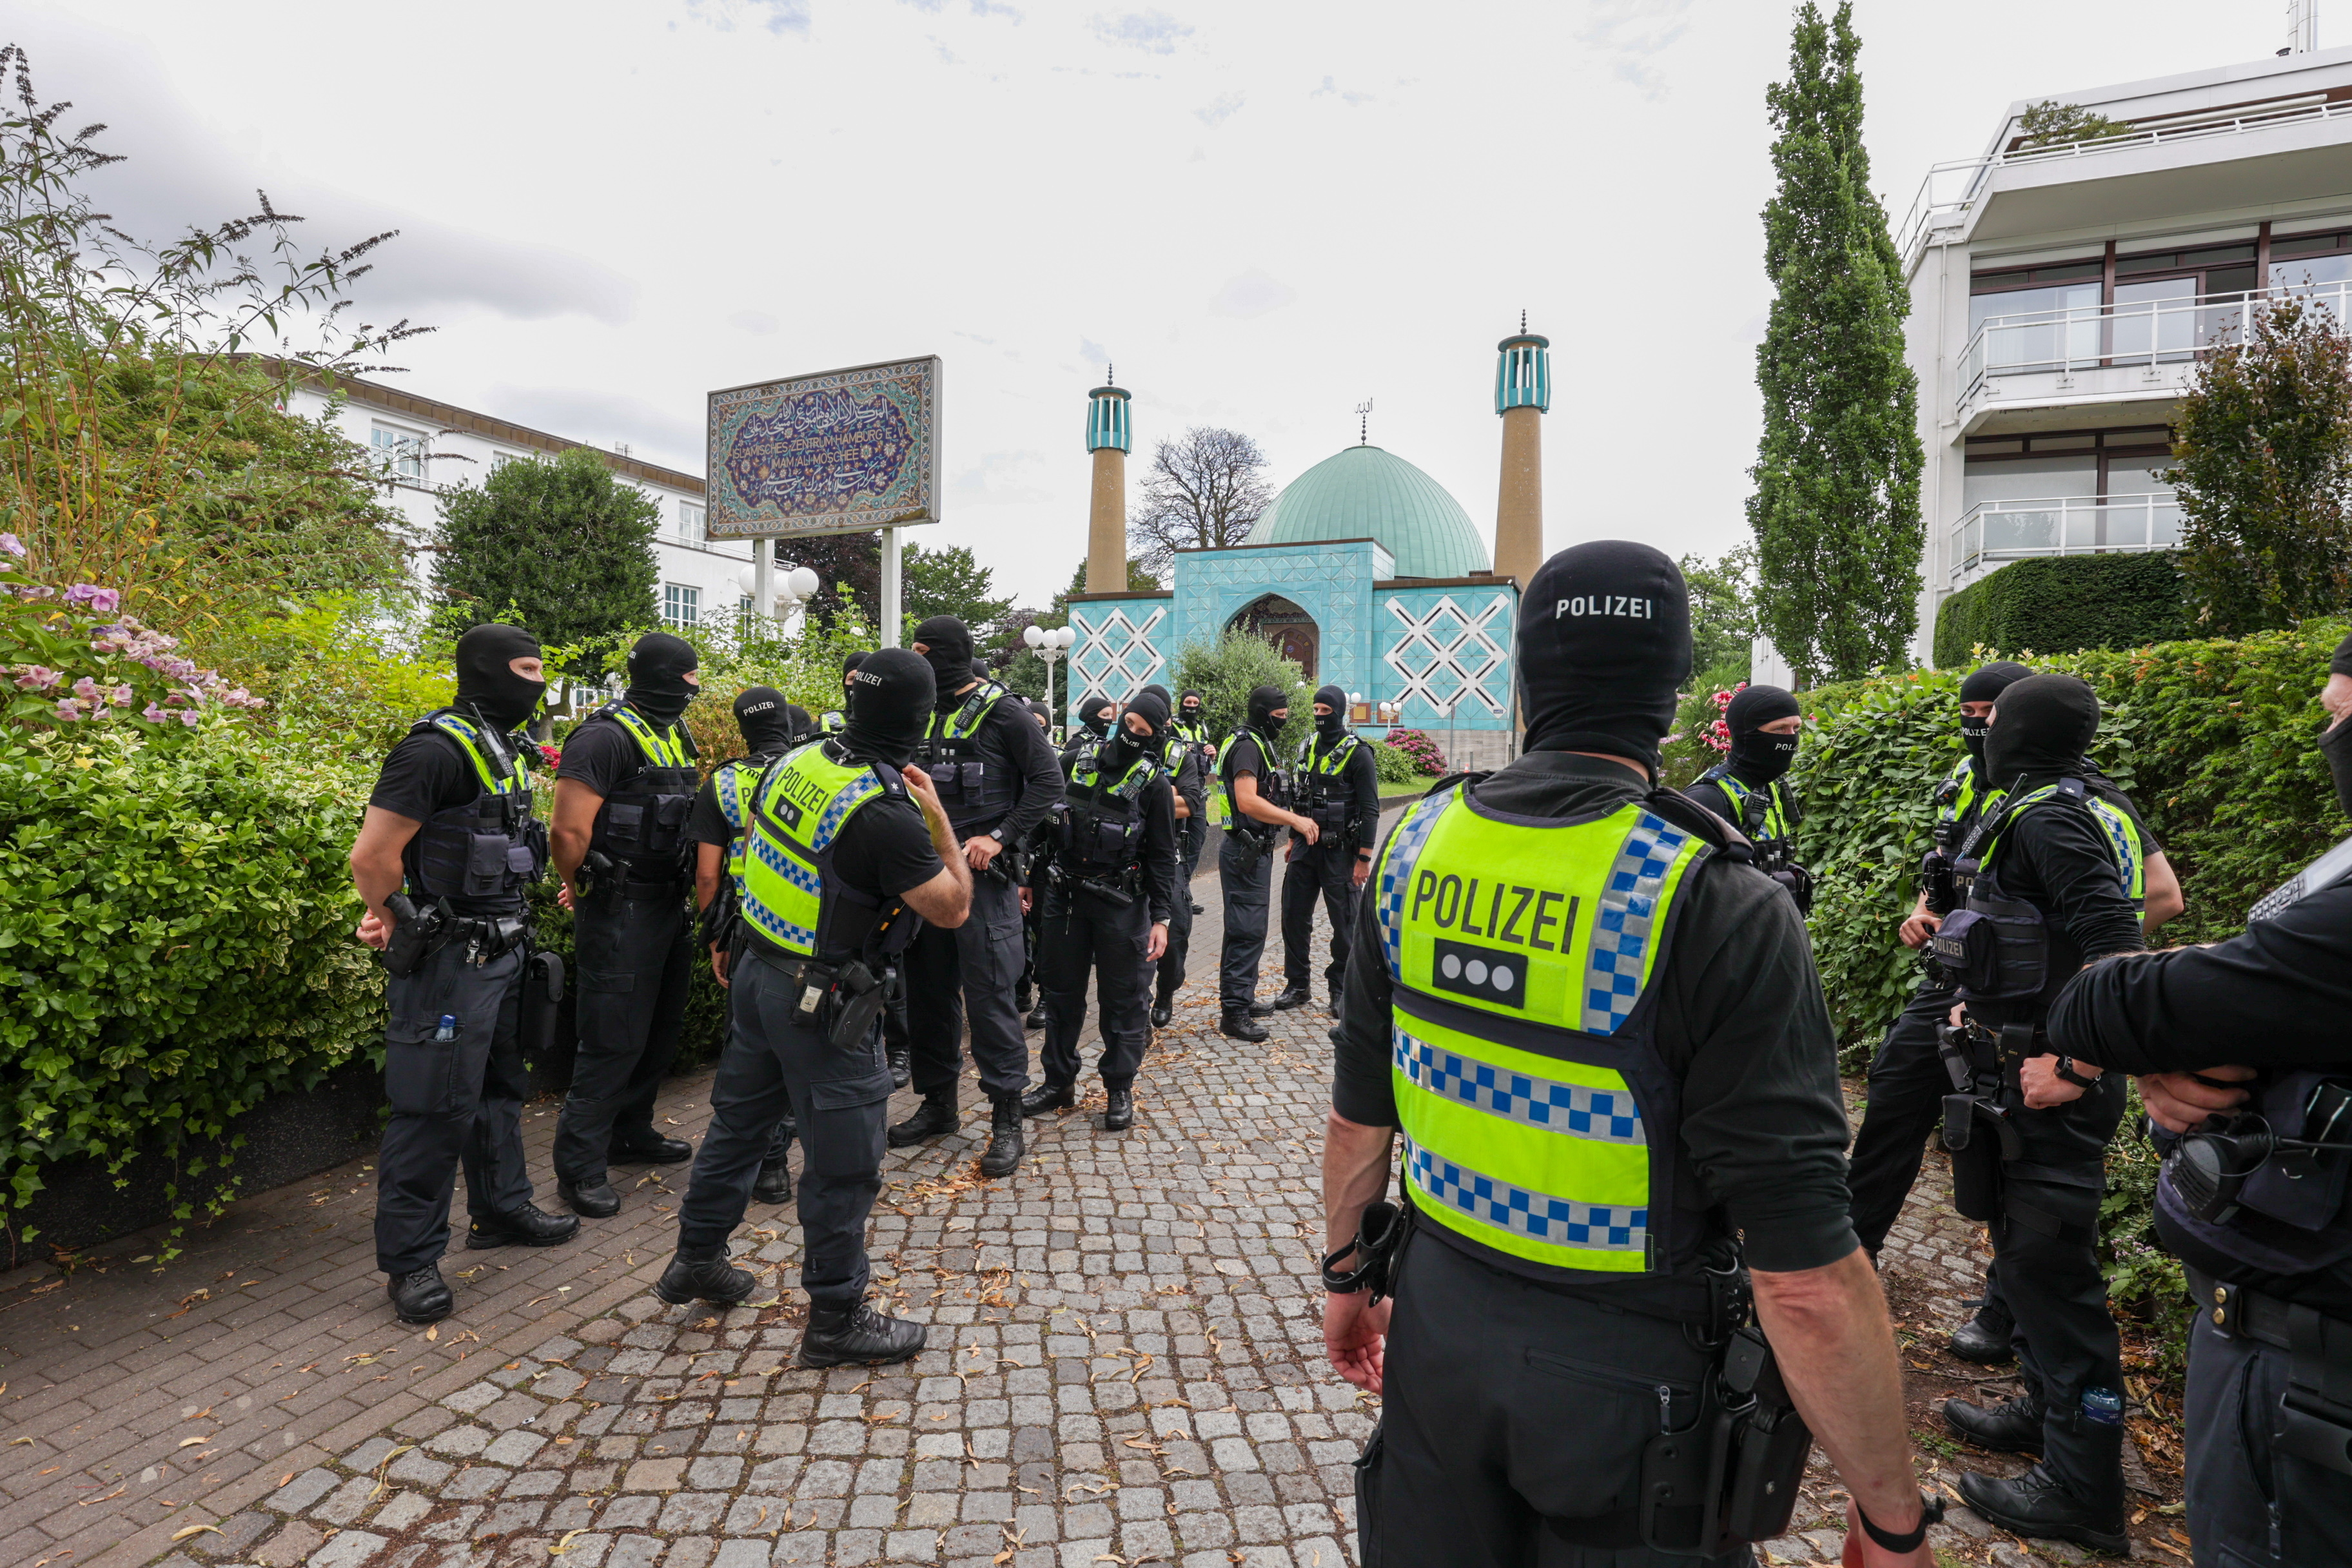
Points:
x=452 y=1101
x=1081 y=931
x=1316 y=872
x=968 y=973
x=2248 y=1502
x=1188 y=833
x=633 y=961
x=775 y=1066
x=1507 y=1406
x=1246 y=877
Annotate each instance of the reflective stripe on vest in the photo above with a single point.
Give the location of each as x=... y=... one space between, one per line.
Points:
x=661 y=748
x=802 y=802
x=1774 y=828
x=1521 y=1052
x=472 y=741
x=1329 y=765
x=1223 y=807
x=1962 y=780
x=2115 y=826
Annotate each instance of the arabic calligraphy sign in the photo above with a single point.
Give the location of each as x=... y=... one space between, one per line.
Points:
x=838 y=452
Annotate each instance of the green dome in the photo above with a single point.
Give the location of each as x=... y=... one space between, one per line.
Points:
x=1364 y=492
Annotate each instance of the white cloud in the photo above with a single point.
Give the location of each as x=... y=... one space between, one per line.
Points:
x=1227 y=105
x=1153 y=32
x=1630 y=33
x=1251 y=293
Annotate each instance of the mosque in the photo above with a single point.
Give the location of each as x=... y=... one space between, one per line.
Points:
x=1364 y=570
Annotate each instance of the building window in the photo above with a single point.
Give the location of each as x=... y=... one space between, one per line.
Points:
x=689 y=522
x=682 y=606
x=400 y=453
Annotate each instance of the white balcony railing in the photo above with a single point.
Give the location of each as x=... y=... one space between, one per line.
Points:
x=2144 y=333
x=2001 y=531
x=1950 y=189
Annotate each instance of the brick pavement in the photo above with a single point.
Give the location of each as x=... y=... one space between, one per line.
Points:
x=1125 y=1366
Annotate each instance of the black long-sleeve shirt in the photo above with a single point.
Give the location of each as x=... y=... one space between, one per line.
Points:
x=1157 y=803
x=2057 y=858
x=1741 y=1020
x=1359 y=776
x=1009 y=741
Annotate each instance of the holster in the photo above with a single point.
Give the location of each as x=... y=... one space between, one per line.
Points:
x=416 y=935
x=1682 y=1477
x=1378 y=1248
x=1977 y=1061
x=855 y=1002
x=543 y=997
x=1769 y=1445
x=2315 y=1421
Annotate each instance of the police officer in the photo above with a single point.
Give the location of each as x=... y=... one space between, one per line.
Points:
x=998 y=779
x=1555 y=1003
x=1096 y=711
x=449 y=832
x=2246 y=1038
x=1026 y=998
x=1338 y=788
x=1746 y=789
x=1105 y=890
x=849 y=844
x=831 y=721
x=1180 y=754
x=2051 y=879
x=772 y=727
x=1193 y=728
x=1256 y=809
x=623 y=794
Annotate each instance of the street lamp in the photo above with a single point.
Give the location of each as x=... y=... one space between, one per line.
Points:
x=1049 y=646
x=794 y=590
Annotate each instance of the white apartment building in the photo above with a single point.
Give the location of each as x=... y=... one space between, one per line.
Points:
x=422 y=446
x=2061 y=294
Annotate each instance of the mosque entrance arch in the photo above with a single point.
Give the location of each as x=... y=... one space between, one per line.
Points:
x=1284 y=624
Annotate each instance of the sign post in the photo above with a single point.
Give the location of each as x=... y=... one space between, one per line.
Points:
x=840 y=451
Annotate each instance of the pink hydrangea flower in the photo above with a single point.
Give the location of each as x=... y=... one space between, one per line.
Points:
x=68 y=709
x=121 y=697
x=106 y=601
x=36 y=677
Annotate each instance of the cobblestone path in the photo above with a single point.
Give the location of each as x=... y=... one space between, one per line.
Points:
x=1125 y=1366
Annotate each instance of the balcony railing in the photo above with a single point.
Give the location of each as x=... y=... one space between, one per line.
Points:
x=2145 y=332
x=1950 y=189
x=2001 y=531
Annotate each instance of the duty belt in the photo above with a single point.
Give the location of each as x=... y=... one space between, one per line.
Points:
x=2315 y=1414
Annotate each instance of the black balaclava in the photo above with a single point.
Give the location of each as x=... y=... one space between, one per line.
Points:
x=889 y=695
x=1156 y=690
x=765 y=719
x=1125 y=745
x=1189 y=706
x=487 y=685
x=1334 y=724
x=1090 y=709
x=803 y=722
x=1604 y=645
x=2042 y=727
x=1757 y=757
x=1263 y=701
x=849 y=667
x=1043 y=713
x=950 y=641
x=1986 y=685
x=659 y=666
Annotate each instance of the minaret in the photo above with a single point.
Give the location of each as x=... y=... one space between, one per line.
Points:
x=1522 y=392
x=1108 y=437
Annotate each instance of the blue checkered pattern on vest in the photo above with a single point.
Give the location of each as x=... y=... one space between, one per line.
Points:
x=1627 y=920
x=844 y=802
x=1598 y=1227
x=1396 y=873
x=1602 y=1115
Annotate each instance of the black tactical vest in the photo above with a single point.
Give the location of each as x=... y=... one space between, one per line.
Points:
x=642 y=824
x=480 y=856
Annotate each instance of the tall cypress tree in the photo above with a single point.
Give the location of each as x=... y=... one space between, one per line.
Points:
x=1836 y=508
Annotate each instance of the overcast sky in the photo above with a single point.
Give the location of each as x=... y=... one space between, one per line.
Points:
x=1264 y=211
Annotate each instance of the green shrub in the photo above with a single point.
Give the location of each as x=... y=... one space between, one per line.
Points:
x=175 y=941
x=1398 y=766
x=2063 y=604
x=1224 y=670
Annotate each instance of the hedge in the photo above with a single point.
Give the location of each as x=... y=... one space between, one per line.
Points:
x=2063 y=604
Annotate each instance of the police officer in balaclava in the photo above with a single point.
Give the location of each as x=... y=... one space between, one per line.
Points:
x=453 y=1065
x=1254 y=793
x=1748 y=790
x=1187 y=775
x=1337 y=786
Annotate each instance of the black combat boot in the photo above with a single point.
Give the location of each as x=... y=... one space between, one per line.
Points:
x=2013 y=1426
x=595 y=1199
x=1023 y=998
x=529 y=1225
x=1119 y=1114
x=711 y=1279
x=1261 y=1009
x=935 y=1116
x=1048 y=1096
x=774 y=1185
x=1036 y=1018
x=1004 y=1145
x=648 y=1147
x=2075 y=1493
x=1984 y=1339
x=845 y=1336
x=1242 y=1026
x=902 y=1068
x=420 y=1296
x=1161 y=1012
x=1292 y=997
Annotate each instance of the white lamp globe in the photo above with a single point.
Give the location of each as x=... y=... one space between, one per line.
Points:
x=1065 y=637
x=800 y=583
x=747 y=579
x=1033 y=634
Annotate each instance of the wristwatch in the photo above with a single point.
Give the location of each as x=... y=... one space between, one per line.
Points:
x=2066 y=1069
x=1931 y=1512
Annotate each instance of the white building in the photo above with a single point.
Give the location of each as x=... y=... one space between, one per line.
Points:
x=422 y=446
x=2061 y=294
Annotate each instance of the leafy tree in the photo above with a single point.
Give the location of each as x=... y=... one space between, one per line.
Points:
x=949 y=582
x=1206 y=489
x=561 y=544
x=1224 y=670
x=2051 y=122
x=2262 y=453
x=1836 y=508
x=141 y=446
x=1723 y=611
x=849 y=573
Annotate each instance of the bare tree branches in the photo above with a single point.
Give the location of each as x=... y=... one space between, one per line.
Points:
x=1207 y=489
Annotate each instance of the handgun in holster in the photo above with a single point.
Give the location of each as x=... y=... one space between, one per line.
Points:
x=853 y=1002
x=1979 y=1062
x=595 y=870
x=543 y=998
x=416 y=934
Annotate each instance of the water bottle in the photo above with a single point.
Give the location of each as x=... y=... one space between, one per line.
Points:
x=2103 y=1407
x=448 y=1031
